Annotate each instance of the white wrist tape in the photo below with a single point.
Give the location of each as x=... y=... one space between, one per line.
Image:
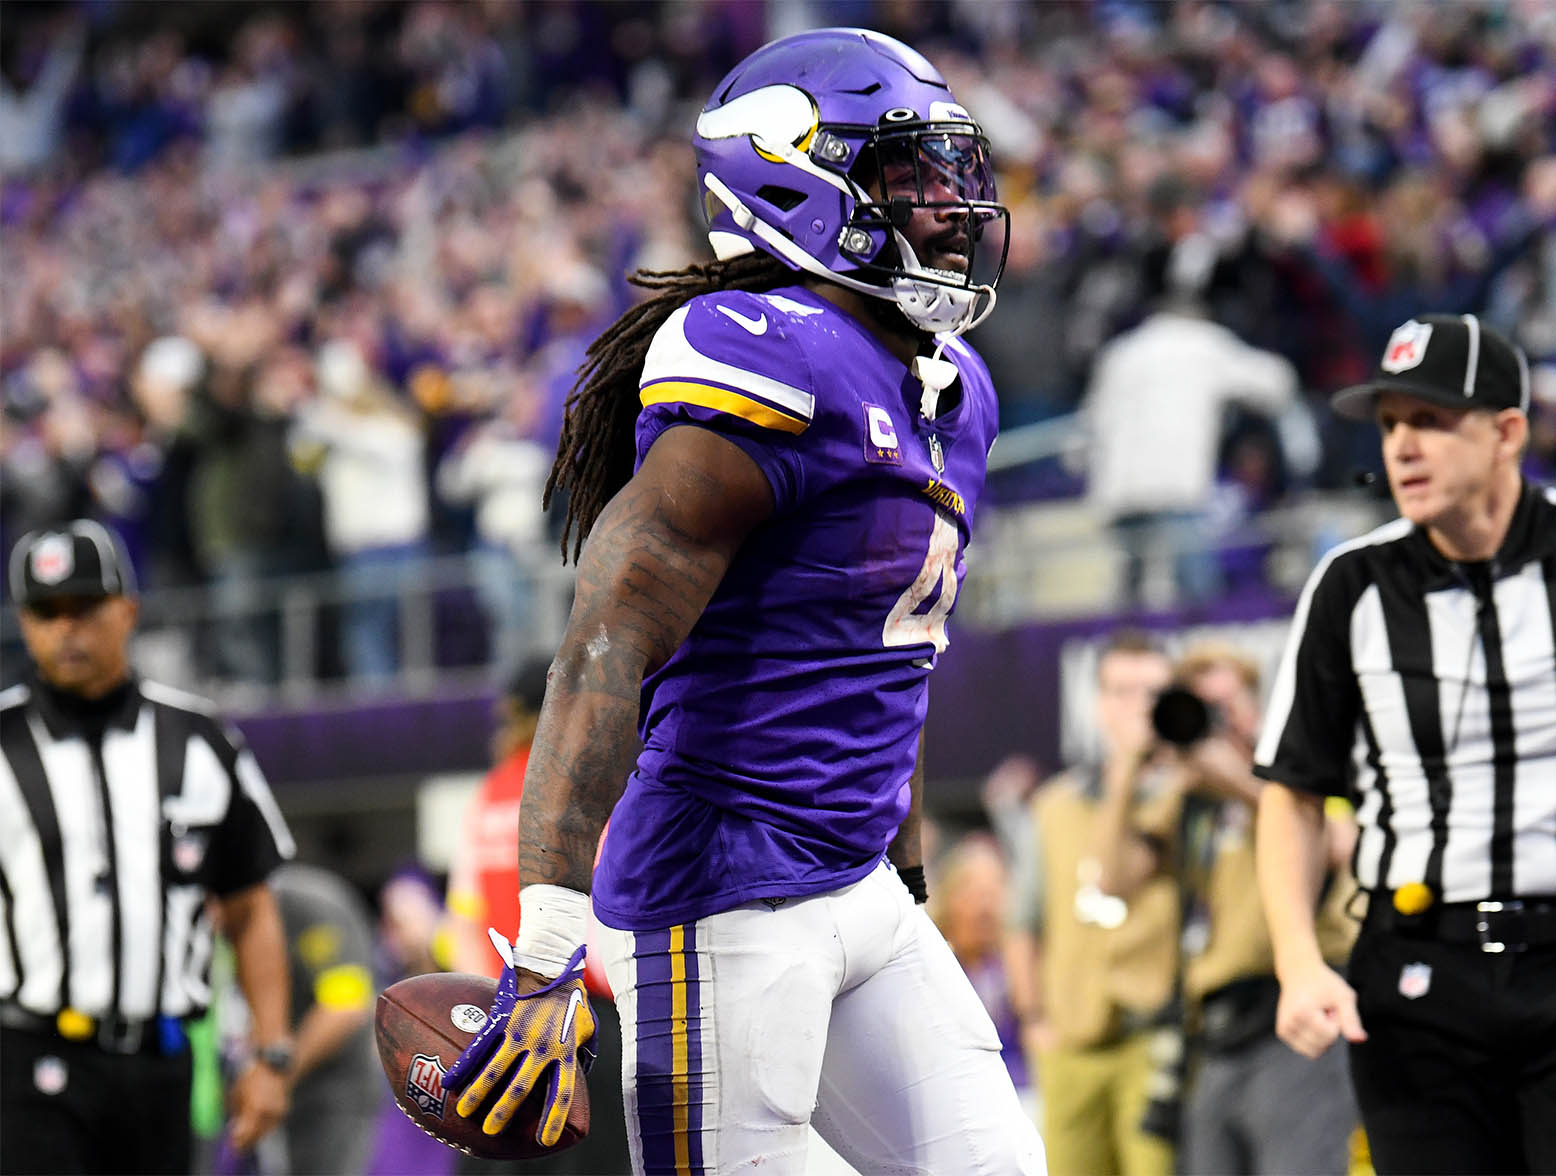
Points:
x=553 y=921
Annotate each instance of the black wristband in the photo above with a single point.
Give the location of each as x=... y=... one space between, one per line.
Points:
x=279 y=1056
x=913 y=878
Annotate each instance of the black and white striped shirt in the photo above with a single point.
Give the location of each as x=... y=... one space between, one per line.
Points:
x=117 y=819
x=1430 y=688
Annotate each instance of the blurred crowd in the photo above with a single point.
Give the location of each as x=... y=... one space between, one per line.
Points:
x=255 y=366
x=236 y=235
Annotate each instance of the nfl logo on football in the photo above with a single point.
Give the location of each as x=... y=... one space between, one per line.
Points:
x=424 y=1084
x=1414 y=980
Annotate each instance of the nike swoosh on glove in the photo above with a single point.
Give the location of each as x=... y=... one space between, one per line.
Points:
x=529 y=1034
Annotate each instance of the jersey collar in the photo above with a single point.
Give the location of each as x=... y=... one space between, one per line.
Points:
x=1531 y=535
x=69 y=715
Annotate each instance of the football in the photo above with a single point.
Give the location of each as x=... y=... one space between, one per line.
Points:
x=423 y=1023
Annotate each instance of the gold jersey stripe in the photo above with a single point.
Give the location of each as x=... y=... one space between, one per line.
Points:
x=721 y=400
x=680 y=1050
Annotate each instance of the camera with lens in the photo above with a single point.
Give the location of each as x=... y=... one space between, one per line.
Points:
x=1183 y=718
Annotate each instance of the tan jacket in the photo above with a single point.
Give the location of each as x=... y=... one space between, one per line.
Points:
x=1097 y=977
x=1236 y=940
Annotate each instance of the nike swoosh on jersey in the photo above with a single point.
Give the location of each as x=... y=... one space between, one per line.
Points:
x=572 y=1007
x=757 y=325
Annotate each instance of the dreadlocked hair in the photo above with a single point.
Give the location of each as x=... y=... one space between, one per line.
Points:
x=595 y=455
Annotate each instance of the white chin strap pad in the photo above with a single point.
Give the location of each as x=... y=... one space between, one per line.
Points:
x=935 y=308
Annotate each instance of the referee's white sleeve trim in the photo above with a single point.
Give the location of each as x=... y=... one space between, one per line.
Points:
x=178 y=699
x=252 y=781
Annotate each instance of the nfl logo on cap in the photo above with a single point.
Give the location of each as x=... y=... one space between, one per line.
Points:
x=82 y=559
x=53 y=558
x=1449 y=359
x=1407 y=346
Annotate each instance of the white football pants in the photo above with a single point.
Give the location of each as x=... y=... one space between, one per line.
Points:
x=845 y=1010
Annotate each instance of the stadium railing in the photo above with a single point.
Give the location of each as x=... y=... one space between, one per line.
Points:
x=1029 y=564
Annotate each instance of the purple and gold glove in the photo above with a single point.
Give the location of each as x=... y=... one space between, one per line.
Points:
x=546 y=1029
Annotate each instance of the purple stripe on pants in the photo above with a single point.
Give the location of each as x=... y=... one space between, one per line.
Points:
x=657 y=1030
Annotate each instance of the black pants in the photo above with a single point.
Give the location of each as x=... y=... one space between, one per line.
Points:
x=70 y=1107
x=1460 y=1076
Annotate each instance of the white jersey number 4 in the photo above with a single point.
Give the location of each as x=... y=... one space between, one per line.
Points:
x=904 y=625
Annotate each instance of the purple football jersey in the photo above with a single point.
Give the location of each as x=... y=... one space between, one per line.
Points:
x=778 y=741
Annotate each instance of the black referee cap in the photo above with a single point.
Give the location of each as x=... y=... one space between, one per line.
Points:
x=82 y=558
x=1448 y=359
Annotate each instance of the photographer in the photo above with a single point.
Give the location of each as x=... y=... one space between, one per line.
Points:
x=1089 y=973
x=1242 y=1082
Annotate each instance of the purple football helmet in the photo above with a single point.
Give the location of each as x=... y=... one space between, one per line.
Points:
x=819 y=148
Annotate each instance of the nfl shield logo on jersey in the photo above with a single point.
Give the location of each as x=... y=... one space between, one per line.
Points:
x=188 y=851
x=424 y=1084
x=1407 y=346
x=1415 y=980
x=50 y=1075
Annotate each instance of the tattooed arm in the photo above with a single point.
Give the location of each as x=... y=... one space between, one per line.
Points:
x=652 y=562
x=654 y=557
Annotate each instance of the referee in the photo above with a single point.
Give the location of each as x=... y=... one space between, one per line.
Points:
x=1421 y=671
x=123 y=807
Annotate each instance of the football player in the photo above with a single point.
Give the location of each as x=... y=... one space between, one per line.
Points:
x=776 y=460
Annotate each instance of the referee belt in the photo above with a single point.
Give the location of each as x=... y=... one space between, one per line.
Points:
x=117 y=1035
x=1494 y=925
